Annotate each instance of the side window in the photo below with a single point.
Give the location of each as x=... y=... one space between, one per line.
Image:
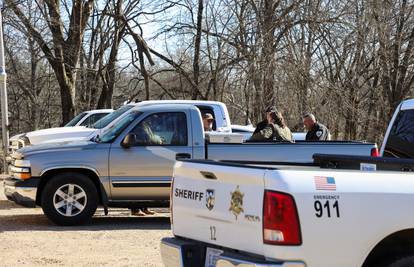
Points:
x=400 y=142
x=206 y=109
x=169 y=128
x=92 y=119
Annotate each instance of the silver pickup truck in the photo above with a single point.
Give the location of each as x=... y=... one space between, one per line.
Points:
x=131 y=164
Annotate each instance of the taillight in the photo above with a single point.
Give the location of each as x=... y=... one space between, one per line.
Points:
x=280 y=220
x=375 y=152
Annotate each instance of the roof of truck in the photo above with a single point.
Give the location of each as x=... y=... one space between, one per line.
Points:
x=190 y=102
x=161 y=107
x=407 y=104
x=100 y=111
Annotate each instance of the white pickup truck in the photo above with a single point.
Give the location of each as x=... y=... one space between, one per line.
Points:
x=339 y=211
x=59 y=134
x=85 y=119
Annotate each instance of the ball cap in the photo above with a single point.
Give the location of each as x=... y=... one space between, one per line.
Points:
x=208 y=116
x=271 y=109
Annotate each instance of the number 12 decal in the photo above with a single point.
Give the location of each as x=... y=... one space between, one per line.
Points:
x=326 y=210
x=213 y=233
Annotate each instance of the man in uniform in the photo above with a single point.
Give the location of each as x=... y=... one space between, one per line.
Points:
x=316 y=130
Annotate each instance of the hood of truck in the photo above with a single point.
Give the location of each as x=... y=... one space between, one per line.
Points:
x=40 y=136
x=16 y=137
x=55 y=147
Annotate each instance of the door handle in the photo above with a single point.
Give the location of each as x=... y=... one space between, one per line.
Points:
x=179 y=156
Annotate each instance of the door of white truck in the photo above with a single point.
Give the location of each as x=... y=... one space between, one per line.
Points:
x=215 y=207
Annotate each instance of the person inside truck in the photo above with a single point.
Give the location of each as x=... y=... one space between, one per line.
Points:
x=208 y=121
x=316 y=130
x=145 y=135
x=275 y=130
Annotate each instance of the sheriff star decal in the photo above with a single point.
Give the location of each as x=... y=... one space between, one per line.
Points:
x=236 y=203
x=319 y=133
x=210 y=199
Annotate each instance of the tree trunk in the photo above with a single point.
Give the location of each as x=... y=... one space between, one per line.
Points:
x=197 y=43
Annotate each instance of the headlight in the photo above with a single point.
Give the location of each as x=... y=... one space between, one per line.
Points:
x=21 y=169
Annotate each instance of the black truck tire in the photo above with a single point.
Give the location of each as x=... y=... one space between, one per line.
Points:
x=405 y=261
x=69 y=199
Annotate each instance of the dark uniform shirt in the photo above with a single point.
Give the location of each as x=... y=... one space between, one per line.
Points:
x=319 y=132
x=272 y=132
x=260 y=126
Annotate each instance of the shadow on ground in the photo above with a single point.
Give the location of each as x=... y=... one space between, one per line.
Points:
x=6 y=205
x=39 y=222
x=14 y=217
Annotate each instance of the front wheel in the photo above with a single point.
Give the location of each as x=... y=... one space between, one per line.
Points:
x=69 y=199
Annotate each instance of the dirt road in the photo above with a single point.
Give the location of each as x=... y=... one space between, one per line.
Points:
x=27 y=238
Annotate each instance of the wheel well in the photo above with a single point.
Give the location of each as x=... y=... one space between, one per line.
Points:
x=391 y=247
x=49 y=174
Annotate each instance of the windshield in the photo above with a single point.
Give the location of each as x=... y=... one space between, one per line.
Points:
x=116 y=129
x=102 y=123
x=75 y=120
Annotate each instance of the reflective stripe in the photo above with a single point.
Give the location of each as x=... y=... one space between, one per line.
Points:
x=142 y=182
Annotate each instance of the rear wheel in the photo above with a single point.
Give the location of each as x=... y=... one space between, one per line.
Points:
x=69 y=199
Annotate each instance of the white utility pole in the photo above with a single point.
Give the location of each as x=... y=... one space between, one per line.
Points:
x=3 y=95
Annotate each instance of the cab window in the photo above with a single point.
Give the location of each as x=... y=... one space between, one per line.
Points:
x=208 y=109
x=162 y=129
x=92 y=119
x=105 y=121
x=400 y=142
x=75 y=120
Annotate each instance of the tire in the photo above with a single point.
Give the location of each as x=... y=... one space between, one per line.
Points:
x=405 y=261
x=69 y=199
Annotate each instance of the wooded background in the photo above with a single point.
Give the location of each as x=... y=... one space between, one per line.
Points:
x=349 y=62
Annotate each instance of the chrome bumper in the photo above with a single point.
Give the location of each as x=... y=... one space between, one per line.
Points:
x=21 y=192
x=224 y=261
x=181 y=253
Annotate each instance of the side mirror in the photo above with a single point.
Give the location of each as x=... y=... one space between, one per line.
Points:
x=129 y=140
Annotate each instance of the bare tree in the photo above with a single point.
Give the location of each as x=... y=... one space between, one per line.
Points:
x=63 y=52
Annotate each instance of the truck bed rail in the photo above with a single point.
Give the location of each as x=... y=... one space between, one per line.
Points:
x=363 y=163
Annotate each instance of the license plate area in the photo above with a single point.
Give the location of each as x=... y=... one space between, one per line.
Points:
x=212 y=255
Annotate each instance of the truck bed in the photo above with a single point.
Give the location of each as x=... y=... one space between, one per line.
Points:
x=301 y=152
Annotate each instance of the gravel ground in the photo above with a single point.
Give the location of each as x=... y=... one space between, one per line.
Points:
x=27 y=238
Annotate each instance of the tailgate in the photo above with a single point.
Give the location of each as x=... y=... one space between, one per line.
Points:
x=219 y=204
